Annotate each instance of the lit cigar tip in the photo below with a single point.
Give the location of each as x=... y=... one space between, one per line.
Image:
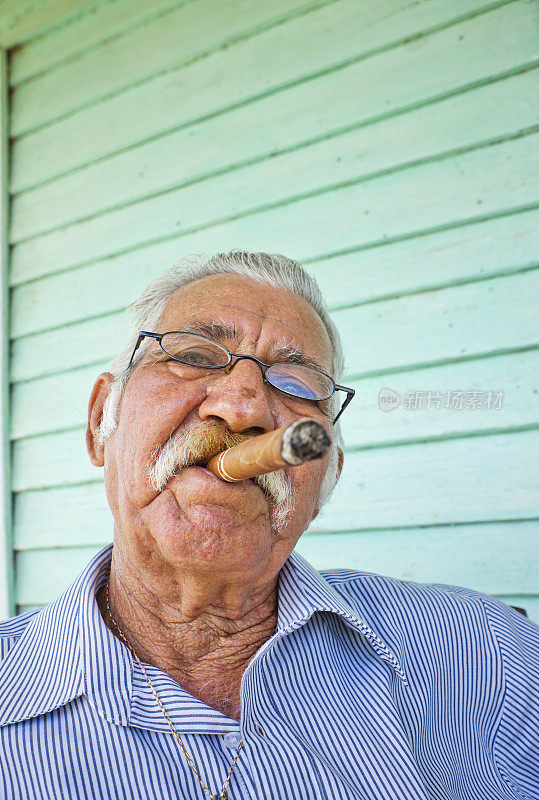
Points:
x=304 y=440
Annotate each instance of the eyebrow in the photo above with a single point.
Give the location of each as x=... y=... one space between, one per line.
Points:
x=222 y=333
x=292 y=355
x=214 y=330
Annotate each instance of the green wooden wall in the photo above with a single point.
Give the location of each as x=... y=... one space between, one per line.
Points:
x=390 y=146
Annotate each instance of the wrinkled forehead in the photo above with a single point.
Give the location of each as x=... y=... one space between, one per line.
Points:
x=246 y=312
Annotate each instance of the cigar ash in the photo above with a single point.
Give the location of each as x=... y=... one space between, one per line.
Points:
x=304 y=440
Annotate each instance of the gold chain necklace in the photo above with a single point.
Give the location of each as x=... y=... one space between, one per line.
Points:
x=223 y=794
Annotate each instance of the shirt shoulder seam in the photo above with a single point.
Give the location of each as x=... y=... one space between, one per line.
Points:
x=505 y=779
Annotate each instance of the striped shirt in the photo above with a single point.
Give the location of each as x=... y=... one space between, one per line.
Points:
x=370 y=688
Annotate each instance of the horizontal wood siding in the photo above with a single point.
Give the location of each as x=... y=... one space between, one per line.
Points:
x=392 y=147
x=22 y=20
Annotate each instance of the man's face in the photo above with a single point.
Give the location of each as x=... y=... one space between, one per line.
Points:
x=197 y=522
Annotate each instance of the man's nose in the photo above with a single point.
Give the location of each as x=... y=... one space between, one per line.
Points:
x=240 y=398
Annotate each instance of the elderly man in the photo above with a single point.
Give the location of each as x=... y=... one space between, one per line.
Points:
x=201 y=657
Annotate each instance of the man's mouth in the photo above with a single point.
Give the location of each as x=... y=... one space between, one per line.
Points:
x=230 y=483
x=195 y=447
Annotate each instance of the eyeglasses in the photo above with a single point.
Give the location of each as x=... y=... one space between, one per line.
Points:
x=199 y=353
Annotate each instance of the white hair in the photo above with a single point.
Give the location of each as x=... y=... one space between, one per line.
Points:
x=271 y=269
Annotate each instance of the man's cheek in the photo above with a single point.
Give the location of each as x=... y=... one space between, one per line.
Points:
x=304 y=482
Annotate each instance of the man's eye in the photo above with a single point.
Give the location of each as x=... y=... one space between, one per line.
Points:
x=297 y=388
x=198 y=357
x=291 y=384
x=194 y=358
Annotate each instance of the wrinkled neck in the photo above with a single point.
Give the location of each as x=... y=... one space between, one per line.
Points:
x=203 y=645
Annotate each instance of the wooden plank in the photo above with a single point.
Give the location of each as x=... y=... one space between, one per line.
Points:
x=500 y=245
x=73 y=516
x=90 y=342
x=456 y=480
x=7 y=594
x=482 y=182
x=460 y=55
x=462 y=555
x=59 y=402
x=53 y=403
x=56 y=459
x=495 y=557
x=480 y=115
x=21 y=21
x=156 y=47
x=490 y=247
x=441 y=324
x=328 y=222
x=47 y=573
x=255 y=131
x=105 y=22
x=415 y=484
x=420 y=416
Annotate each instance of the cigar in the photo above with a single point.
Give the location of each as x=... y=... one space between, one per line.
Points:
x=303 y=440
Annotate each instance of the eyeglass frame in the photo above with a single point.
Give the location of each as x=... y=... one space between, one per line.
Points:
x=239 y=357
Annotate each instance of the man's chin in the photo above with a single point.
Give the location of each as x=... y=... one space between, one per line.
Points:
x=232 y=504
x=217 y=532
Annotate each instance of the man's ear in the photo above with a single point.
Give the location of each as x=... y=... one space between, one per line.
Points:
x=100 y=392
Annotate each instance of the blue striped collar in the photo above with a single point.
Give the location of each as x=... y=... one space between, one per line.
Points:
x=303 y=591
x=66 y=650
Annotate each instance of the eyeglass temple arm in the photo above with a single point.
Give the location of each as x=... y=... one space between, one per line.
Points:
x=141 y=336
x=349 y=396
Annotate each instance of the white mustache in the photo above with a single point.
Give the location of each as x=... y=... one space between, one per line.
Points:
x=197 y=445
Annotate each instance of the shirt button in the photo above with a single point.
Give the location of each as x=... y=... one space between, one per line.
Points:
x=260 y=730
x=232 y=740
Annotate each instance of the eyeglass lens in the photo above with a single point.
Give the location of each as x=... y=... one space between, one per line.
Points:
x=197 y=353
